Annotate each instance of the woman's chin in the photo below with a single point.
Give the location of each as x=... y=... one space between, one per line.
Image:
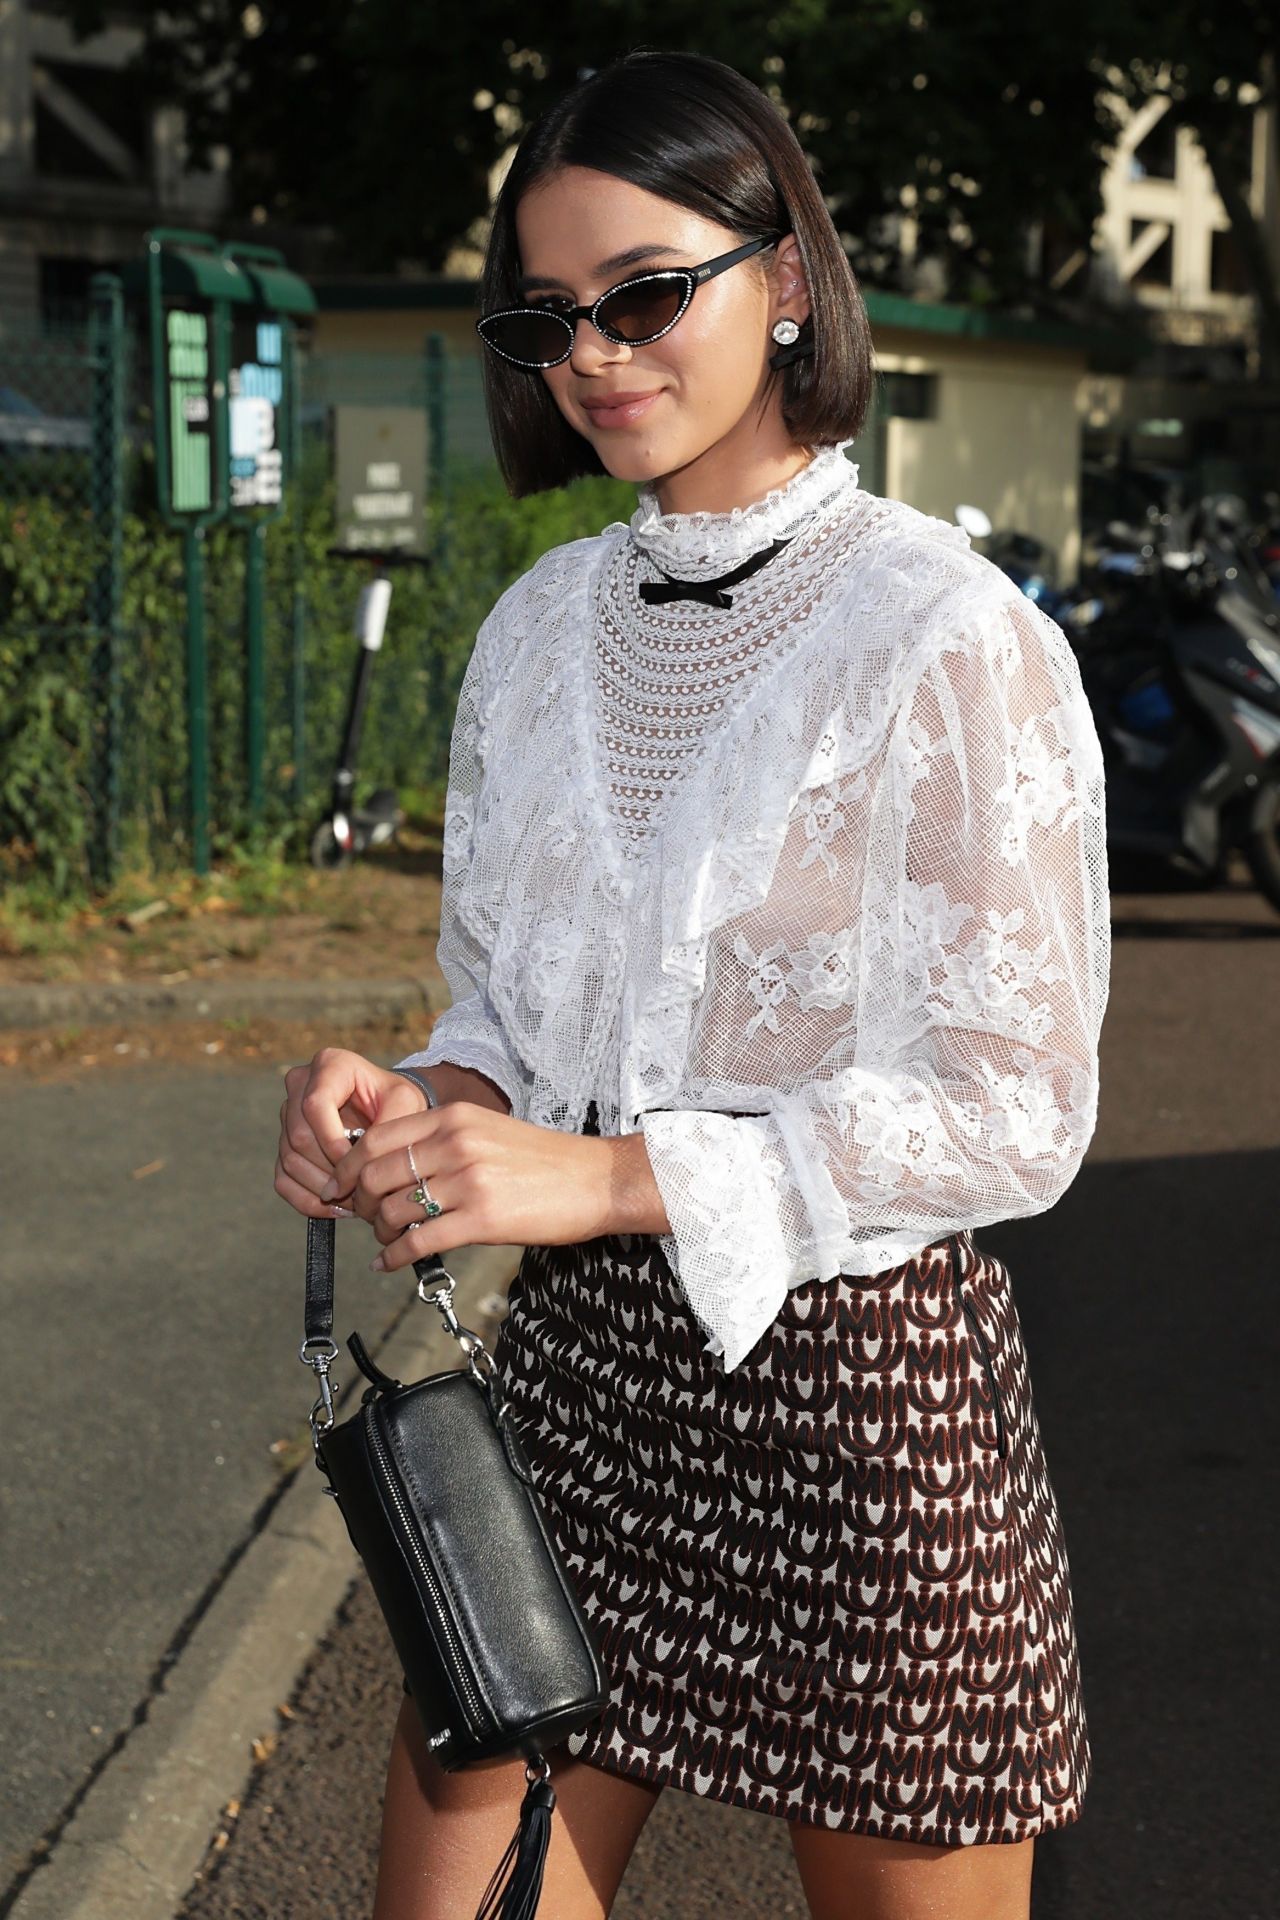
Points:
x=630 y=460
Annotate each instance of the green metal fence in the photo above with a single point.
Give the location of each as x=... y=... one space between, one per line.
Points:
x=94 y=770
x=69 y=435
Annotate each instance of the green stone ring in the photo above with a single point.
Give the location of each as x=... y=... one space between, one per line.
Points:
x=420 y=1193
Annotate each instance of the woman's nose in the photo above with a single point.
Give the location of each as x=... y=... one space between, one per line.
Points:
x=591 y=349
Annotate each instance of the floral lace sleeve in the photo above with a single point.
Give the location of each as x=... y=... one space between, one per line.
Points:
x=468 y=1033
x=918 y=1001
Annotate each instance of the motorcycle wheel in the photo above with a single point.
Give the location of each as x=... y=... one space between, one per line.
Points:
x=327 y=852
x=1262 y=848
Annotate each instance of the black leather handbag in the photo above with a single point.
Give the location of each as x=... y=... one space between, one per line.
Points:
x=441 y=1505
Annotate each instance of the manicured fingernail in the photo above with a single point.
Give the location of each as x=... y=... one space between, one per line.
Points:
x=328 y=1190
x=377 y=1266
x=343 y=1213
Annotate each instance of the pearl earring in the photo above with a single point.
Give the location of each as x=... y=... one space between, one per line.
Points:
x=785 y=332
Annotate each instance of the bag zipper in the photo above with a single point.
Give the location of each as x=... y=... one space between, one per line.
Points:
x=971 y=1318
x=482 y=1720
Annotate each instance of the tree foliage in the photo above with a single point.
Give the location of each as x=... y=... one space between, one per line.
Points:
x=380 y=120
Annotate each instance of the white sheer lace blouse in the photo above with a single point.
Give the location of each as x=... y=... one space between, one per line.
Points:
x=832 y=859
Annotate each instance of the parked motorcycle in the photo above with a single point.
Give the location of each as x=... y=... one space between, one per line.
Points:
x=1176 y=630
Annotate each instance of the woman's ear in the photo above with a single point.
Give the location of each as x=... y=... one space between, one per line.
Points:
x=790 y=293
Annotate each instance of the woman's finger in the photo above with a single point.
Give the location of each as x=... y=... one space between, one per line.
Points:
x=302 y=1169
x=340 y=1083
x=454 y=1228
x=304 y=1200
x=298 y=1137
x=379 y=1163
x=399 y=1209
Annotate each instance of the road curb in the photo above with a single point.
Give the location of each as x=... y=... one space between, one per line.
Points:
x=132 y=1848
x=102 y=1003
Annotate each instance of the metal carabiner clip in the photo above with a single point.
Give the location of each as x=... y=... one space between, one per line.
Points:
x=320 y=1363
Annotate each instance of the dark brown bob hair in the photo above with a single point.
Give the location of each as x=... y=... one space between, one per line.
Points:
x=692 y=130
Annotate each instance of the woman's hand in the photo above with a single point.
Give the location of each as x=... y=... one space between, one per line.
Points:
x=338 y=1090
x=500 y=1181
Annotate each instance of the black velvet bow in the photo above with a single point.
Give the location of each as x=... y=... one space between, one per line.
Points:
x=710 y=592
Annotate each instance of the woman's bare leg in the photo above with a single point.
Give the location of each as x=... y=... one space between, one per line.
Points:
x=851 y=1876
x=444 y=1833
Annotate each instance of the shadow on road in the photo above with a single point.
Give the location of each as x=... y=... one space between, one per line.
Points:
x=1189 y=927
x=1148 y=1301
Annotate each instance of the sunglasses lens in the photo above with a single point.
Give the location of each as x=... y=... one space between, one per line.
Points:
x=639 y=312
x=533 y=339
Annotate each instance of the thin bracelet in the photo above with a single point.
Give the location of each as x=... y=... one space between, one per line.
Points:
x=421 y=1081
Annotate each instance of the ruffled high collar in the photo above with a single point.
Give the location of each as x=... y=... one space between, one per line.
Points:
x=693 y=546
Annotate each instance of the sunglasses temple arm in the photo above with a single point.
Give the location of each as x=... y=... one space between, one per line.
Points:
x=702 y=274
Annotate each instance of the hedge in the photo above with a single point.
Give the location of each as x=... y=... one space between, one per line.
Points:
x=55 y=694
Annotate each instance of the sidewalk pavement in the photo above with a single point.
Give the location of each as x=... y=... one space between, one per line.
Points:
x=99 y=1003
x=134 y=1841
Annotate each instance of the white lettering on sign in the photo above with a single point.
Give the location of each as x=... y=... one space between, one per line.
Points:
x=382 y=506
x=377 y=539
x=253 y=426
x=262 y=486
x=382 y=473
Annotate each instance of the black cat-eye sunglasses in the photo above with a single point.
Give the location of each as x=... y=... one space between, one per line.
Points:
x=632 y=314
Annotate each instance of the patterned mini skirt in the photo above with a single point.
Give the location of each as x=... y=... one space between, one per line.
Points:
x=830 y=1584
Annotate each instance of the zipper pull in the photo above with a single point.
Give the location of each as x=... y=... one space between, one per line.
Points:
x=367 y=1364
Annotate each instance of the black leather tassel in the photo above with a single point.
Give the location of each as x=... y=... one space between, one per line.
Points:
x=528 y=1849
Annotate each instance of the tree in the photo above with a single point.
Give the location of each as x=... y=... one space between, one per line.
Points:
x=381 y=120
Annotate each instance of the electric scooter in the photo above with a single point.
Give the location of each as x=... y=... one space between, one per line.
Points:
x=347 y=829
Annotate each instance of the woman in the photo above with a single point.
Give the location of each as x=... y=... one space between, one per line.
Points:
x=775 y=916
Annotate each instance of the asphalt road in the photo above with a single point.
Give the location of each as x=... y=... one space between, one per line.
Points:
x=151 y=1341
x=151 y=1289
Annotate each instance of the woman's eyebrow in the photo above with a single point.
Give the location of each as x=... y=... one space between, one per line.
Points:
x=616 y=262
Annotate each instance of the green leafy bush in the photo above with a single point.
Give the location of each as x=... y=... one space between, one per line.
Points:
x=88 y=726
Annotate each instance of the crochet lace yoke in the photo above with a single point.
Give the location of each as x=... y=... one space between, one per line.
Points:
x=663 y=675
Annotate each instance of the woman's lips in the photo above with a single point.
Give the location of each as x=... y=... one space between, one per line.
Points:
x=625 y=409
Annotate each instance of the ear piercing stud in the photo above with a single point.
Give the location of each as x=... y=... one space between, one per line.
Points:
x=785 y=332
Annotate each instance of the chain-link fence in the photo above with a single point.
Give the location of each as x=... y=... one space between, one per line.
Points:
x=69 y=437
x=97 y=676
x=95 y=773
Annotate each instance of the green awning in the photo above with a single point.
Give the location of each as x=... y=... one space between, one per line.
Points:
x=277 y=288
x=196 y=266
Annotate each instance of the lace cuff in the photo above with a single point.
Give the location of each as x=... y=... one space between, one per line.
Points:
x=469 y=1034
x=723 y=1185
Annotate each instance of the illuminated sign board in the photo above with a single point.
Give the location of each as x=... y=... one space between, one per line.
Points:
x=189 y=388
x=255 y=389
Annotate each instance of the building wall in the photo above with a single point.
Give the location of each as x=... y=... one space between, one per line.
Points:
x=89 y=205
x=1005 y=437
x=1156 y=235
x=393 y=330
